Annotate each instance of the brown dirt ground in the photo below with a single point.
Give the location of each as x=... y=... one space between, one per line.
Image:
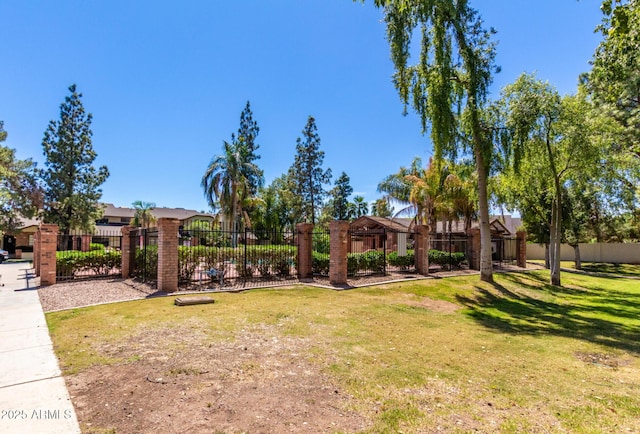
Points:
x=174 y=380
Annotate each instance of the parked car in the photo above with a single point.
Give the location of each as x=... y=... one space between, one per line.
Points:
x=4 y=255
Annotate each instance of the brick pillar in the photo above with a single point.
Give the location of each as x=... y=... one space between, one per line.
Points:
x=339 y=246
x=86 y=242
x=521 y=254
x=48 y=240
x=473 y=248
x=168 y=254
x=36 y=252
x=128 y=251
x=304 y=241
x=421 y=250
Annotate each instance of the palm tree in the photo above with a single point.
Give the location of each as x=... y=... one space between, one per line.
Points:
x=143 y=217
x=226 y=183
x=361 y=207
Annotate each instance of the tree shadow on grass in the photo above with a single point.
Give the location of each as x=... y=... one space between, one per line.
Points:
x=596 y=315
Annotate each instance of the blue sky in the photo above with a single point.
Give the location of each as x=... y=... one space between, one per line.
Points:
x=166 y=81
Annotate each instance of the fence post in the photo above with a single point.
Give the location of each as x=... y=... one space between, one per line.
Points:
x=521 y=249
x=36 y=252
x=168 y=254
x=421 y=252
x=304 y=243
x=48 y=244
x=339 y=245
x=128 y=252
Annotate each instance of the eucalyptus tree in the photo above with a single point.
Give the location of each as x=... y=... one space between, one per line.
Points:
x=306 y=175
x=72 y=192
x=452 y=75
x=550 y=143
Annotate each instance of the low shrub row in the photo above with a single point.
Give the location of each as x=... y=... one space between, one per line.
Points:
x=441 y=258
x=98 y=262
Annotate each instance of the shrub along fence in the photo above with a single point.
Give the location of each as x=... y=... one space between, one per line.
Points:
x=82 y=255
x=198 y=254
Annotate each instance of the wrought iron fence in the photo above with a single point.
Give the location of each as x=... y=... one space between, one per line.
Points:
x=144 y=244
x=367 y=252
x=81 y=255
x=211 y=257
x=504 y=251
x=449 y=252
x=320 y=252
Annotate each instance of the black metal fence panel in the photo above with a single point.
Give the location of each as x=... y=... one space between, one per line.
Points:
x=209 y=257
x=81 y=255
x=367 y=252
x=449 y=252
x=320 y=249
x=504 y=251
x=144 y=244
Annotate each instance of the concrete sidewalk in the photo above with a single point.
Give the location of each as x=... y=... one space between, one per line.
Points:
x=33 y=394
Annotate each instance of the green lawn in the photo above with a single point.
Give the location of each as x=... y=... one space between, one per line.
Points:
x=516 y=356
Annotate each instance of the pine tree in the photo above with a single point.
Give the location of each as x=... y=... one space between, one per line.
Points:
x=71 y=181
x=340 y=197
x=246 y=142
x=306 y=174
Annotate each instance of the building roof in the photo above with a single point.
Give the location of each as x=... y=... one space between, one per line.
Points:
x=179 y=213
x=503 y=224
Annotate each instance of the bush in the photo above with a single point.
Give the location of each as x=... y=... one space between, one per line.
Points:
x=368 y=261
x=147 y=262
x=441 y=258
x=404 y=262
x=188 y=261
x=100 y=262
x=96 y=246
x=320 y=263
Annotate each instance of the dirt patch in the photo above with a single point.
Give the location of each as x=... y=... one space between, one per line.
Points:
x=602 y=359
x=184 y=380
x=441 y=306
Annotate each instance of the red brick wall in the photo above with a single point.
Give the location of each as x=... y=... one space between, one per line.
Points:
x=421 y=251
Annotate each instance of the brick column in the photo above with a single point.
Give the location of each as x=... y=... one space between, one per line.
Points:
x=521 y=254
x=128 y=251
x=339 y=246
x=168 y=254
x=421 y=249
x=473 y=248
x=36 y=252
x=48 y=241
x=304 y=241
x=85 y=242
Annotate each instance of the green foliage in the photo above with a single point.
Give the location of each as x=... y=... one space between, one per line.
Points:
x=99 y=262
x=373 y=261
x=20 y=193
x=306 y=174
x=186 y=266
x=72 y=193
x=441 y=258
x=96 y=246
x=404 y=262
x=320 y=263
x=339 y=198
x=146 y=260
x=321 y=242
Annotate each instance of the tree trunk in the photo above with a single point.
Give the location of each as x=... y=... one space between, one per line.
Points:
x=547 y=260
x=554 y=254
x=486 y=265
x=576 y=251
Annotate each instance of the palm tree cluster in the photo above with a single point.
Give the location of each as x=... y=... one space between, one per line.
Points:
x=441 y=191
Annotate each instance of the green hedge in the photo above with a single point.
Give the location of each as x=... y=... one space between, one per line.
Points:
x=320 y=263
x=100 y=262
x=369 y=261
x=404 y=262
x=441 y=258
